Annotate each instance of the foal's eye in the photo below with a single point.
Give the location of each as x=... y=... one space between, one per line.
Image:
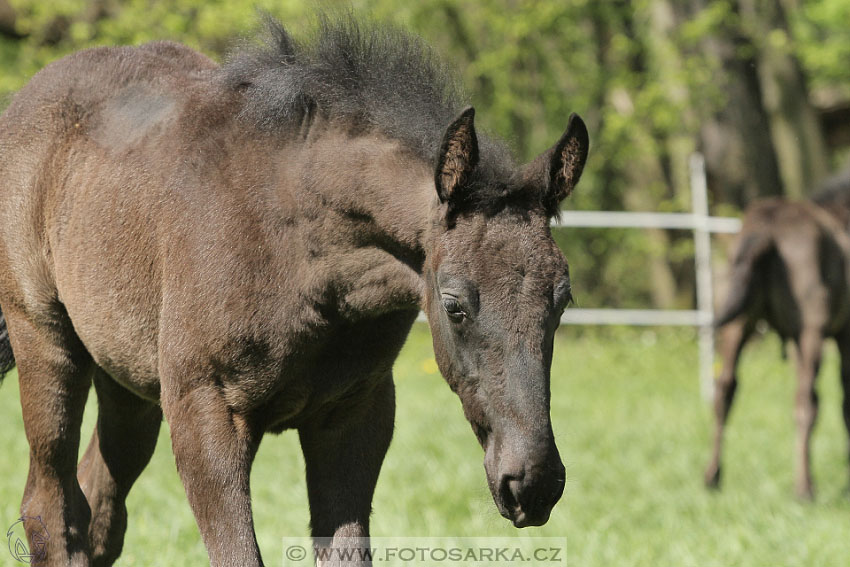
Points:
x=453 y=308
x=563 y=296
x=568 y=300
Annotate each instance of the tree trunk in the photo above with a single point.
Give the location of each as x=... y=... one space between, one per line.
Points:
x=7 y=21
x=740 y=157
x=649 y=171
x=795 y=126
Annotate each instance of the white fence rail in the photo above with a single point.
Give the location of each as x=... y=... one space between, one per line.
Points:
x=638 y=317
x=683 y=221
x=702 y=225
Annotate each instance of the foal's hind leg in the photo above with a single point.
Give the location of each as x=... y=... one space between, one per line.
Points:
x=53 y=370
x=809 y=346
x=343 y=456
x=120 y=448
x=733 y=337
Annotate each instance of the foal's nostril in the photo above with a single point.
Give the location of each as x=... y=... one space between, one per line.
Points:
x=510 y=487
x=515 y=486
x=528 y=503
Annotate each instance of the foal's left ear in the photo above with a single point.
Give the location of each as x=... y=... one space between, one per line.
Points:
x=559 y=168
x=458 y=156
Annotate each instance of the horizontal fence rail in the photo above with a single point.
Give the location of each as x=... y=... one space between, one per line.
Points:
x=637 y=317
x=683 y=221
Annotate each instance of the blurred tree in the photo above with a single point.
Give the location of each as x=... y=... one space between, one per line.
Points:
x=7 y=21
x=795 y=125
x=735 y=134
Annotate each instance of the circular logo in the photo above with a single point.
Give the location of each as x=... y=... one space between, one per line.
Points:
x=17 y=540
x=296 y=553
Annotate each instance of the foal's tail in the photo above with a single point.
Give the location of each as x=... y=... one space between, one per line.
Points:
x=7 y=358
x=753 y=247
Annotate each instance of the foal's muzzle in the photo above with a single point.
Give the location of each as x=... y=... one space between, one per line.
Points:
x=525 y=491
x=529 y=503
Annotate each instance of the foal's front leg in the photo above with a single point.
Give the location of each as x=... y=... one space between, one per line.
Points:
x=214 y=448
x=343 y=455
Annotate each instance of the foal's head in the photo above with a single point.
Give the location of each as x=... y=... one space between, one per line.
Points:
x=496 y=285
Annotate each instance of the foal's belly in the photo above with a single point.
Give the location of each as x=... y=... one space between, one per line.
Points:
x=341 y=366
x=350 y=361
x=126 y=350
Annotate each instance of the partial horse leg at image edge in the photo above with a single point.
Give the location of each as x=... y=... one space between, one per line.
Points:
x=813 y=293
x=809 y=347
x=733 y=337
x=54 y=376
x=843 y=340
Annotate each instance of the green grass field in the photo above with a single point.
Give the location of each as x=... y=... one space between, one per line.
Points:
x=633 y=433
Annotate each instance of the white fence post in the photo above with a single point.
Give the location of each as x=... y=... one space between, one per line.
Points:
x=702 y=261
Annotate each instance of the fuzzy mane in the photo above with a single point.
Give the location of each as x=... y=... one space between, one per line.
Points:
x=366 y=77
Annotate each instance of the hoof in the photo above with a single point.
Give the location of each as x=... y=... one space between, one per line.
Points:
x=805 y=494
x=712 y=479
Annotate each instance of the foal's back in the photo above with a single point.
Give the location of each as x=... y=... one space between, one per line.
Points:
x=101 y=155
x=84 y=115
x=790 y=268
x=79 y=93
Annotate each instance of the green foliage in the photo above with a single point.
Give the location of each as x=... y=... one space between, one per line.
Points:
x=823 y=42
x=57 y=28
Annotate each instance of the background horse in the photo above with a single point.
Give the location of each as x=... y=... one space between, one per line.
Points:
x=242 y=249
x=791 y=270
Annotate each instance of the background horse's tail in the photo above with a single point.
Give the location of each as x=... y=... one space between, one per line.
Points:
x=7 y=358
x=752 y=248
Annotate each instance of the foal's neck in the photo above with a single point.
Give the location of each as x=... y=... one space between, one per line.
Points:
x=379 y=198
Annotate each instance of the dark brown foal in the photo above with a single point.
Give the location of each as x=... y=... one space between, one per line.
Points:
x=242 y=249
x=791 y=270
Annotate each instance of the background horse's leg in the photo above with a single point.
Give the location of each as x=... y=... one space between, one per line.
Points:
x=214 y=448
x=809 y=346
x=53 y=370
x=843 y=340
x=343 y=456
x=732 y=339
x=120 y=448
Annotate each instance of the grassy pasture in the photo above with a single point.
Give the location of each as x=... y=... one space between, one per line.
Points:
x=632 y=431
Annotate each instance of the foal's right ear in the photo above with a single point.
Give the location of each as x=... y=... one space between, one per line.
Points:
x=558 y=169
x=458 y=156
x=567 y=160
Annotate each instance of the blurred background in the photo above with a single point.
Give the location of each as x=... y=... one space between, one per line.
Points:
x=761 y=87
